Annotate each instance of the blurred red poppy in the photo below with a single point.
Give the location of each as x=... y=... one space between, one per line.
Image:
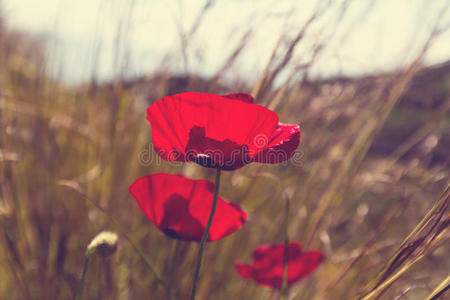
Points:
x=268 y=268
x=215 y=132
x=180 y=207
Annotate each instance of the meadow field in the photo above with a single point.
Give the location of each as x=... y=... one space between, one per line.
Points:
x=368 y=186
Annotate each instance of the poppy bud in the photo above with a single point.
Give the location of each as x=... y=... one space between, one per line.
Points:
x=104 y=243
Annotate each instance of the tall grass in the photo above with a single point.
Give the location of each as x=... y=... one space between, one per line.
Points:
x=68 y=155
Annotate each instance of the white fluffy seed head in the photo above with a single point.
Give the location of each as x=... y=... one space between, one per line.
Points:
x=104 y=243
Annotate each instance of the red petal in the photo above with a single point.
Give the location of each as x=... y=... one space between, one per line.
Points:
x=275 y=251
x=211 y=153
x=268 y=264
x=244 y=271
x=223 y=122
x=240 y=96
x=281 y=145
x=180 y=207
x=304 y=265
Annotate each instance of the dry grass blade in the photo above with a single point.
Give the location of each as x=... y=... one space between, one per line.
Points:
x=289 y=53
x=377 y=292
x=257 y=88
x=371 y=241
x=229 y=62
x=363 y=141
x=440 y=289
x=410 y=244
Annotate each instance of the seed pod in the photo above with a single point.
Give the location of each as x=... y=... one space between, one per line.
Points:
x=104 y=243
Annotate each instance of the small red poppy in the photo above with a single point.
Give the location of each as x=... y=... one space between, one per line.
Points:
x=268 y=267
x=215 y=132
x=180 y=207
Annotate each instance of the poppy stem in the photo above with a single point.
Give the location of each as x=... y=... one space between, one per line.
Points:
x=284 y=287
x=205 y=234
x=83 y=276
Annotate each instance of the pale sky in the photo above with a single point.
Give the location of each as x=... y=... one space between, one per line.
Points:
x=373 y=36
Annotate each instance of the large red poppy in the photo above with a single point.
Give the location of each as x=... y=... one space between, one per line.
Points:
x=180 y=207
x=219 y=131
x=268 y=267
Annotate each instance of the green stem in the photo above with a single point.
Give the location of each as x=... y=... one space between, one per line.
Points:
x=83 y=276
x=205 y=235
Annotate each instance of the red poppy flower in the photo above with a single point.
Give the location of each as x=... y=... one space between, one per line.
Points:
x=180 y=207
x=219 y=131
x=268 y=268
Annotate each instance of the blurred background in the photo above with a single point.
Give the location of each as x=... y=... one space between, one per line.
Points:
x=368 y=81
